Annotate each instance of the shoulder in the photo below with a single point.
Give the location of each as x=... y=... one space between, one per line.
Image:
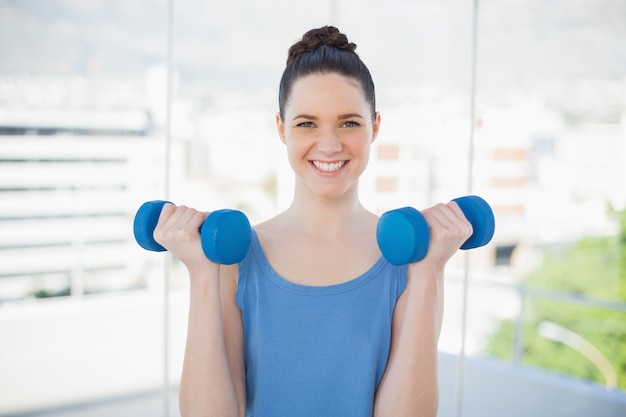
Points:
x=270 y=227
x=271 y=233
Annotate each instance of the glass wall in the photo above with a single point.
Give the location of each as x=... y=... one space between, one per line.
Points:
x=80 y=146
x=551 y=127
x=521 y=102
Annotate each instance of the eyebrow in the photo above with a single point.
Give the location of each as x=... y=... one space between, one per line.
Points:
x=341 y=117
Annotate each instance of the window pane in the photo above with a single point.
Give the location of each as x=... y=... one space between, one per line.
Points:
x=79 y=150
x=550 y=132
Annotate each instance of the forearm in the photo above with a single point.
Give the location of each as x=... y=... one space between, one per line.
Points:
x=409 y=386
x=207 y=387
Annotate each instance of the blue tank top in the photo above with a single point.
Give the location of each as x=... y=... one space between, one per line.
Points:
x=315 y=351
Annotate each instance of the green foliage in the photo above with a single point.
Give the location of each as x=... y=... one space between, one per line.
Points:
x=43 y=293
x=594 y=268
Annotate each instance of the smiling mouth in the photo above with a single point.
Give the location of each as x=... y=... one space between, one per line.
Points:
x=328 y=167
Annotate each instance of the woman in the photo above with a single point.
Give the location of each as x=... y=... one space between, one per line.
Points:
x=314 y=322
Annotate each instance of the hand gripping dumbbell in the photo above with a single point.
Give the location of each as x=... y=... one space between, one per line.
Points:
x=403 y=235
x=224 y=235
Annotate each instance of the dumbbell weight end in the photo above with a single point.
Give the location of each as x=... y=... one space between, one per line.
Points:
x=403 y=235
x=225 y=236
x=145 y=222
x=479 y=214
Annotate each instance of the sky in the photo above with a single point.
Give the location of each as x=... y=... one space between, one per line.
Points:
x=245 y=37
x=412 y=47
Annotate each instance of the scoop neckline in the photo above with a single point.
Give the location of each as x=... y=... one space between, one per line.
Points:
x=314 y=290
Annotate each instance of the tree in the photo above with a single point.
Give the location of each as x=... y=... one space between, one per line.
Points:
x=594 y=268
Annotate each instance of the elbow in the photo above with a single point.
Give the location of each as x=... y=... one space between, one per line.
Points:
x=184 y=405
x=429 y=405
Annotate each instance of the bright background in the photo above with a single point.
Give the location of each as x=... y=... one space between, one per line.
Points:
x=525 y=106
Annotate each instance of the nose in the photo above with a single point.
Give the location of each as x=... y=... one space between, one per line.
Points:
x=329 y=143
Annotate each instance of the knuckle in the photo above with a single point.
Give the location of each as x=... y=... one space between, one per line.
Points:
x=187 y=234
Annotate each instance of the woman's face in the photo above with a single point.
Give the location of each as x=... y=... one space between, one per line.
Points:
x=328 y=129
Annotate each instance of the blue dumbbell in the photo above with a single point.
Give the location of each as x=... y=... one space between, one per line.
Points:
x=403 y=235
x=225 y=234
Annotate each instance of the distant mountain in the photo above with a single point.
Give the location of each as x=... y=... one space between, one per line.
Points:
x=244 y=43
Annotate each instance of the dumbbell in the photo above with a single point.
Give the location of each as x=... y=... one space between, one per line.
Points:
x=403 y=235
x=225 y=234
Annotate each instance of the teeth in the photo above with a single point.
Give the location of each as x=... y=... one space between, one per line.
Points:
x=326 y=167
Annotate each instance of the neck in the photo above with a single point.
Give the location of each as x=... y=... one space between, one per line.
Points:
x=325 y=216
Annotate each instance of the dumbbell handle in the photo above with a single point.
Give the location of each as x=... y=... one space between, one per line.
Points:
x=403 y=235
x=225 y=234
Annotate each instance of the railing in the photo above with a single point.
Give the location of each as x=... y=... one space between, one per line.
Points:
x=549 y=330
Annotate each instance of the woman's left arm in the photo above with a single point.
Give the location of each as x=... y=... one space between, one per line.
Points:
x=409 y=386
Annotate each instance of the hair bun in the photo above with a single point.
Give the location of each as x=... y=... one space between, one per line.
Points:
x=316 y=38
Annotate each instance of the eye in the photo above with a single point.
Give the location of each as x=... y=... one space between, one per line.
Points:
x=351 y=123
x=305 y=124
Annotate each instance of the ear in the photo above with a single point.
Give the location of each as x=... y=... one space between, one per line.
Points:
x=281 y=128
x=375 y=126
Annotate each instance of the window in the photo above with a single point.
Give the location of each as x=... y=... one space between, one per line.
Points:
x=92 y=124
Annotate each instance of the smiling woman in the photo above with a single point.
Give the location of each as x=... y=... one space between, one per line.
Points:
x=314 y=321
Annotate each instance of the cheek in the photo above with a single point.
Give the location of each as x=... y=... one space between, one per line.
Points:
x=364 y=150
x=296 y=150
x=365 y=155
x=362 y=144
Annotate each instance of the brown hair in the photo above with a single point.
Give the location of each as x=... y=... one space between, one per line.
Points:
x=325 y=50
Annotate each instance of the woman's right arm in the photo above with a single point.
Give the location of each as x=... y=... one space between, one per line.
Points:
x=213 y=379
